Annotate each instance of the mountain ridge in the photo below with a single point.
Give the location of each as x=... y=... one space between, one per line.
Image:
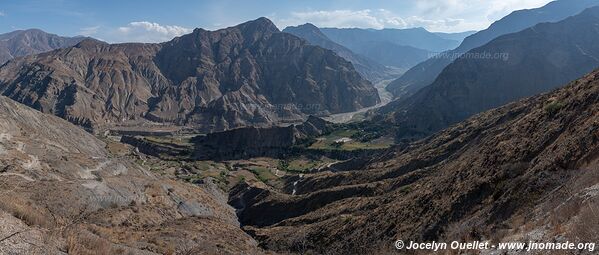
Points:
x=426 y=72
x=368 y=68
x=32 y=41
x=213 y=80
x=562 y=52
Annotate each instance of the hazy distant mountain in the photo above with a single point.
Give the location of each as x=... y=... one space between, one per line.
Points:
x=368 y=68
x=391 y=54
x=455 y=36
x=415 y=37
x=250 y=74
x=539 y=59
x=400 y=48
x=425 y=73
x=33 y=41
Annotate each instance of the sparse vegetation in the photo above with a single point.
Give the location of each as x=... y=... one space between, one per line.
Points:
x=263 y=174
x=554 y=107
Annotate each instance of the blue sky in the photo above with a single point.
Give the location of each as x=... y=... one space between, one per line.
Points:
x=154 y=21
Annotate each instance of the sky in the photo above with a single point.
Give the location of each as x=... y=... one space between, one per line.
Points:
x=157 y=21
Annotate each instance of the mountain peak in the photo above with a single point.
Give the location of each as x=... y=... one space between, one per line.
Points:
x=261 y=24
x=89 y=42
x=303 y=29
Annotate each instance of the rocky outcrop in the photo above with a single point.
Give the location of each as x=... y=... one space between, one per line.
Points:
x=368 y=68
x=257 y=142
x=247 y=75
x=32 y=41
x=426 y=72
x=511 y=67
x=533 y=161
x=62 y=192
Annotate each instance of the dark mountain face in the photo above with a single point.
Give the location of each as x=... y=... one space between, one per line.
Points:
x=246 y=75
x=368 y=68
x=425 y=73
x=536 y=60
x=534 y=161
x=33 y=41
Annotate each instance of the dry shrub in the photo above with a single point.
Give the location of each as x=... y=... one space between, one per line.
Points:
x=586 y=226
x=24 y=210
x=88 y=244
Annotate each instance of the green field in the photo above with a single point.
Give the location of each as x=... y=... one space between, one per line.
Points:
x=329 y=142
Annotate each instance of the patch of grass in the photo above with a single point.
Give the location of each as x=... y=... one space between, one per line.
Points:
x=405 y=189
x=283 y=165
x=360 y=139
x=263 y=174
x=176 y=140
x=554 y=107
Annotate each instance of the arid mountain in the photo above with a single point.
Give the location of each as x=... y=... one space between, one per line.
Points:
x=246 y=75
x=426 y=72
x=368 y=68
x=62 y=192
x=508 y=68
x=525 y=172
x=32 y=41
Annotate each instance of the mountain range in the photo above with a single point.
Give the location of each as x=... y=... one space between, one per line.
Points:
x=420 y=38
x=533 y=161
x=250 y=74
x=32 y=41
x=495 y=141
x=426 y=72
x=481 y=80
x=367 y=67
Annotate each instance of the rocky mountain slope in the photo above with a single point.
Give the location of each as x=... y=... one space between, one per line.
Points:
x=561 y=52
x=526 y=171
x=32 y=41
x=257 y=142
x=62 y=192
x=368 y=68
x=250 y=74
x=426 y=72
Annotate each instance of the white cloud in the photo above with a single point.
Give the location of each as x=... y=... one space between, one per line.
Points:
x=144 y=31
x=2 y=14
x=89 y=31
x=434 y=15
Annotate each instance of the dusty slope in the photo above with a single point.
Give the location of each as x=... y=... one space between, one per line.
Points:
x=61 y=192
x=528 y=167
